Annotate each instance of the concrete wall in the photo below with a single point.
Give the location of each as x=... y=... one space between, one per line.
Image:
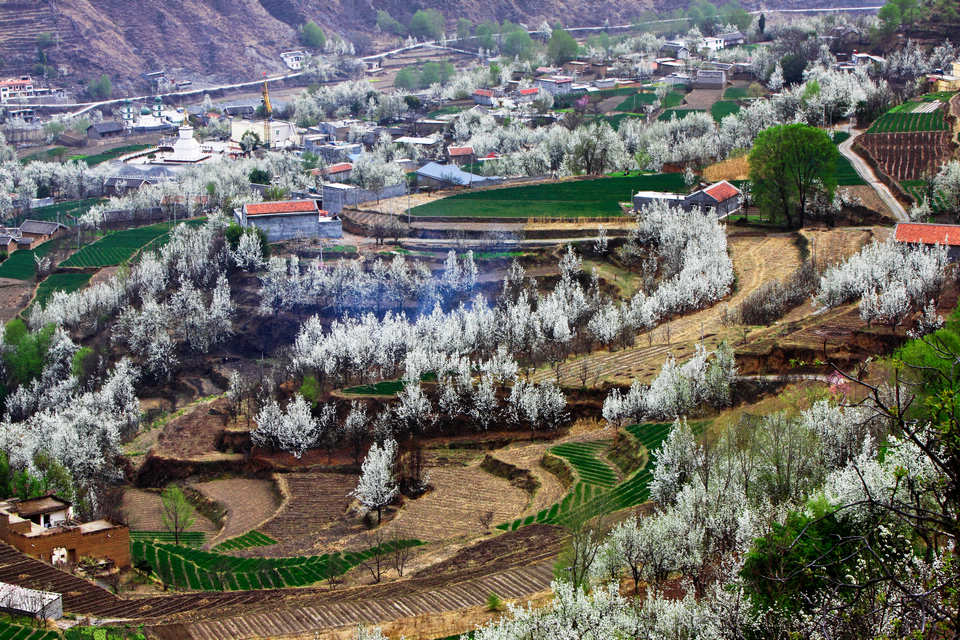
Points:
x=334 y=199
x=288 y=227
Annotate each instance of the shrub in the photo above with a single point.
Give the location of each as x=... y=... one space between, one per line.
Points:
x=494 y=602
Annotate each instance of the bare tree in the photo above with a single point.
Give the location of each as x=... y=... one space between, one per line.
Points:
x=377 y=560
x=401 y=552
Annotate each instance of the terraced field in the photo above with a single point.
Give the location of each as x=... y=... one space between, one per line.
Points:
x=588 y=498
x=908 y=122
x=64 y=212
x=187 y=538
x=920 y=192
x=60 y=282
x=909 y=156
x=315 y=502
x=246 y=541
x=21 y=265
x=11 y=631
x=117 y=247
x=566 y=199
x=192 y=569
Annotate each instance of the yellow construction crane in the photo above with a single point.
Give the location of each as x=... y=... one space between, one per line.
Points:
x=268 y=113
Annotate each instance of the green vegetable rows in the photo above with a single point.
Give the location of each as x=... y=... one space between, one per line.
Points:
x=247 y=540
x=903 y=122
x=588 y=499
x=187 y=568
x=10 y=631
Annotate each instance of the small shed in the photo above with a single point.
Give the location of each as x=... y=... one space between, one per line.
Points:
x=105 y=130
x=40 y=230
x=287 y=219
x=484 y=97
x=444 y=176
x=710 y=79
x=43 y=605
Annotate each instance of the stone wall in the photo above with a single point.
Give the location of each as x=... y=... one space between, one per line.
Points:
x=288 y=227
x=335 y=199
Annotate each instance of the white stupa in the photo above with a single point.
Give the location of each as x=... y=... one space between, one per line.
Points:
x=186 y=149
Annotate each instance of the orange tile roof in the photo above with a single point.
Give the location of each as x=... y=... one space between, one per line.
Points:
x=460 y=151
x=916 y=232
x=282 y=206
x=340 y=167
x=529 y=92
x=483 y=92
x=721 y=191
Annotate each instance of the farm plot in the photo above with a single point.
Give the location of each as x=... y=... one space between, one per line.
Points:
x=584 y=458
x=908 y=156
x=246 y=541
x=920 y=191
x=679 y=114
x=460 y=495
x=60 y=282
x=636 y=102
x=909 y=121
x=723 y=108
x=117 y=247
x=12 y=631
x=186 y=568
x=569 y=198
x=143 y=511
x=20 y=265
x=587 y=500
x=187 y=538
x=64 y=212
x=249 y=503
x=316 y=504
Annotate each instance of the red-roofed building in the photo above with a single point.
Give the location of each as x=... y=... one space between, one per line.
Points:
x=721 y=198
x=335 y=172
x=484 y=97
x=930 y=234
x=287 y=219
x=528 y=95
x=460 y=155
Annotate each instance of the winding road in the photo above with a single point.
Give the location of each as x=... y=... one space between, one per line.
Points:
x=862 y=168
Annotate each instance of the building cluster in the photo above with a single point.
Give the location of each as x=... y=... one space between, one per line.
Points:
x=28 y=235
x=45 y=528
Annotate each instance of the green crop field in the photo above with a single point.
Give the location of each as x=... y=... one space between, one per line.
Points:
x=109 y=154
x=723 y=108
x=616 y=120
x=67 y=211
x=60 y=282
x=20 y=265
x=920 y=190
x=567 y=199
x=583 y=457
x=12 y=631
x=117 y=247
x=847 y=176
x=247 y=540
x=588 y=499
x=188 y=538
x=905 y=122
x=187 y=568
x=638 y=101
x=382 y=388
x=735 y=93
x=679 y=113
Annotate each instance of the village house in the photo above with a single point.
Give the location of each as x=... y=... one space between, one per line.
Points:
x=732 y=38
x=335 y=172
x=927 y=234
x=105 y=130
x=674 y=49
x=710 y=79
x=288 y=219
x=45 y=528
x=293 y=59
x=555 y=85
x=484 y=97
x=528 y=94
x=460 y=155
x=16 y=88
x=721 y=198
x=39 y=231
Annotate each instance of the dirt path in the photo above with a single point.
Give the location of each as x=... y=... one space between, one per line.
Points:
x=846 y=148
x=755 y=261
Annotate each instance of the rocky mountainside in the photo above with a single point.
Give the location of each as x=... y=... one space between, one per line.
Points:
x=234 y=38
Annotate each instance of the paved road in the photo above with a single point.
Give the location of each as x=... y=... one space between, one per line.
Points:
x=846 y=148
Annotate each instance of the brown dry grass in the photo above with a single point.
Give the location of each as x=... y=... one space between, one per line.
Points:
x=729 y=169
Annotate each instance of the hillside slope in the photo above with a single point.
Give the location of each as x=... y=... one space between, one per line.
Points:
x=237 y=38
